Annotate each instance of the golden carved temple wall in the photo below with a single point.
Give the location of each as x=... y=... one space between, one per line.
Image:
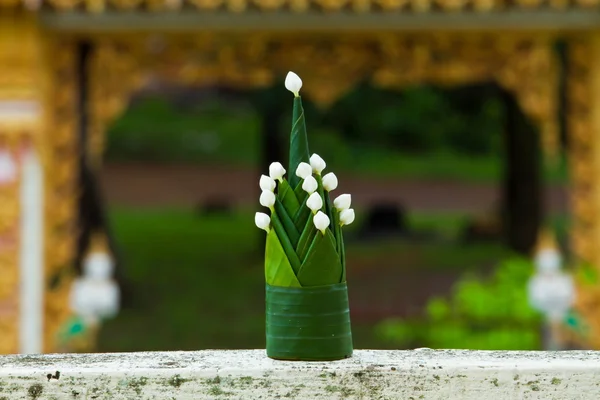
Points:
x=37 y=80
x=330 y=67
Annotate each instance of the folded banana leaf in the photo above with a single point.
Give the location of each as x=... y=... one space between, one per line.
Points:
x=311 y=324
x=302 y=215
x=298 y=141
x=278 y=270
x=287 y=246
x=306 y=239
x=288 y=198
x=287 y=222
x=322 y=265
x=307 y=311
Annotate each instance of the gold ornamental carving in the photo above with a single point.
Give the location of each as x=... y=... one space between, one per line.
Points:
x=9 y=247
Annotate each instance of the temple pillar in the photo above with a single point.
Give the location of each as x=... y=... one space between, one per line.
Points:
x=62 y=188
x=22 y=90
x=583 y=91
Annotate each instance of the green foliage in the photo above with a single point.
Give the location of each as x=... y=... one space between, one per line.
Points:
x=420 y=134
x=483 y=313
x=155 y=130
x=423 y=119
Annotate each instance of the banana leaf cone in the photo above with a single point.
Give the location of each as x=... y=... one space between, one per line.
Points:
x=307 y=309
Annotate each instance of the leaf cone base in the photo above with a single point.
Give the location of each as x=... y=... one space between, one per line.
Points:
x=308 y=323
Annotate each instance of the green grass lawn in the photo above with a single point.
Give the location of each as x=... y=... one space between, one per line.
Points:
x=198 y=280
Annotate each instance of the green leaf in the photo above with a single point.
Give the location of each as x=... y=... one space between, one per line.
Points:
x=339 y=240
x=306 y=239
x=289 y=199
x=335 y=225
x=298 y=141
x=285 y=242
x=342 y=255
x=301 y=195
x=278 y=271
x=288 y=224
x=322 y=265
x=331 y=213
x=302 y=215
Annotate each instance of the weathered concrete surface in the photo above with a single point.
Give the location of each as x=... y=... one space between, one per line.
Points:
x=249 y=374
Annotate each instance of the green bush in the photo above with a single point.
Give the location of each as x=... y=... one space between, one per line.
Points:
x=482 y=313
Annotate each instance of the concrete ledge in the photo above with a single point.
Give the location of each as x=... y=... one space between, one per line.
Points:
x=249 y=374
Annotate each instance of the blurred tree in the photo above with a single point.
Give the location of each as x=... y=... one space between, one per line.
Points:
x=523 y=179
x=467 y=119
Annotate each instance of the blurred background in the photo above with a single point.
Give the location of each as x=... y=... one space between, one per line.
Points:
x=429 y=261
x=454 y=149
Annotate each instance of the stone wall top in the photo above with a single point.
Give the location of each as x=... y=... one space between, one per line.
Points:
x=249 y=374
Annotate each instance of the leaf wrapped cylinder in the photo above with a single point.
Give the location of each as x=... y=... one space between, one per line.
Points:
x=308 y=323
x=307 y=310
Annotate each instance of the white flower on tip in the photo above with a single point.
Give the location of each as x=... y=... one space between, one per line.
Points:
x=267 y=183
x=293 y=83
x=276 y=171
x=304 y=170
x=321 y=221
x=342 y=202
x=267 y=199
x=330 y=181
x=347 y=216
x=317 y=163
x=310 y=184
x=262 y=220
x=314 y=202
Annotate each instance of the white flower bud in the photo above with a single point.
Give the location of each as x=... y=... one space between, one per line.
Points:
x=293 y=83
x=276 y=171
x=262 y=220
x=314 y=202
x=317 y=163
x=310 y=184
x=267 y=199
x=342 y=202
x=304 y=170
x=330 y=181
x=347 y=216
x=267 y=183
x=321 y=221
